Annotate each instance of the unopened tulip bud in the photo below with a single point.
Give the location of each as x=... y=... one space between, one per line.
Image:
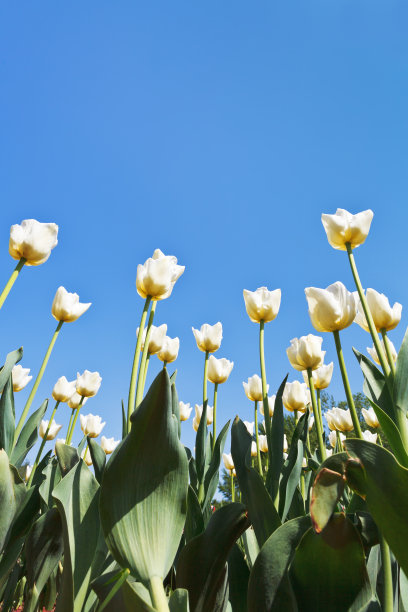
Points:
x=250 y=427
x=20 y=377
x=91 y=425
x=253 y=388
x=33 y=240
x=27 y=472
x=63 y=390
x=228 y=461
x=306 y=352
x=296 y=396
x=185 y=411
x=333 y=438
x=343 y=227
x=370 y=417
x=169 y=350
x=66 y=306
x=108 y=445
x=331 y=309
x=88 y=383
x=158 y=275
x=373 y=353
x=253 y=449
x=369 y=437
x=384 y=317
x=271 y=404
x=199 y=412
x=54 y=429
x=263 y=444
x=209 y=337
x=219 y=369
x=321 y=376
x=76 y=400
x=262 y=304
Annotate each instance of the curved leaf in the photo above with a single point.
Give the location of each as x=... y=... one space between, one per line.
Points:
x=276 y=442
x=12 y=494
x=98 y=458
x=212 y=477
x=238 y=577
x=400 y=389
x=293 y=466
x=375 y=386
x=7 y=417
x=28 y=436
x=11 y=360
x=327 y=490
x=178 y=601
x=67 y=457
x=194 y=520
x=393 y=435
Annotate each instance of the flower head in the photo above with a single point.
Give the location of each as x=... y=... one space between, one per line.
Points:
x=333 y=438
x=296 y=396
x=76 y=400
x=343 y=227
x=156 y=338
x=33 y=240
x=185 y=411
x=219 y=369
x=199 y=412
x=86 y=457
x=63 y=389
x=250 y=427
x=108 y=445
x=271 y=404
x=209 y=337
x=370 y=417
x=383 y=315
x=373 y=353
x=306 y=352
x=338 y=419
x=88 y=383
x=54 y=429
x=331 y=309
x=228 y=461
x=253 y=388
x=91 y=425
x=66 y=306
x=321 y=376
x=262 y=304
x=169 y=350
x=369 y=437
x=263 y=444
x=158 y=275
x=20 y=377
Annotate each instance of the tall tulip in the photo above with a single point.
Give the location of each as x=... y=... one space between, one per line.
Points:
x=229 y=465
x=384 y=316
x=343 y=228
x=185 y=411
x=20 y=377
x=254 y=392
x=66 y=306
x=370 y=417
x=296 y=396
x=63 y=390
x=108 y=445
x=169 y=350
x=218 y=373
x=88 y=383
x=391 y=351
x=321 y=380
x=91 y=425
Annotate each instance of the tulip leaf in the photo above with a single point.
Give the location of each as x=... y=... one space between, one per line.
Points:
x=178 y=601
x=276 y=442
x=143 y=523
x=12 y=494
x=400 y=389
x=293 y=467
x=124 y=420
x=174 y=402
x=393 y=435
x=261 y=510
x=52 y=475
x=328 y=571
x=194 y=520
x=192 y=469
x=98 y=458
x=375 y=386
x=327 y=489
x=7 y=417
x=77 y=497
x=201 y=564
x=28 y=436
x=212 y=475
x=238 y=577
x=11 y=360
x=132 y=596
x=384 y=484
x=251 y=546
x=269 y=587
x=67 y=457
x=201 y=445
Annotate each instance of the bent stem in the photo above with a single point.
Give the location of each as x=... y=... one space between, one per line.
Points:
x=387 y=346
x=388 y=604
x=37 y=382
x=11 y=281
x=319 y=432
x=346 y=384
x=140 y=378
x=265 y=390
x=43 y=441
x=258 y=452
x=71 y=432
x=214 y=416
x=133 y=377
x=159 y=599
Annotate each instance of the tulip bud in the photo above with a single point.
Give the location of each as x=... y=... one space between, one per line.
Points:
x=108 y=445
x=75 y=400
x=54 y=429
x=27 y=472
x=250 y=427
x=304 y=463
x=253 y=388
x=331 y=309
x=169 y=350
x=158 y=275
x=383 y=315
x=219 y=369
x=86 y=457
x=311 y=422
x=296 y=396
x=263 y=444
x=67 y=307
x=88 y=383
x=271 y=404
x=370 y=417
x=20 y=378
x=209 y=337
x=373 y=353
x=63 y=390
x=329 y=452
x=262 y=305
x=369 y=437
x=321 y=376
x=33 y=240
x=306 y=352
x=343 y=227
x=285 y=443
x=185 y=411
x=254 y=452
x=199 y=412
x=338 y=419
x=196 y=423
x=156 y=338
x=91 y=425
x=228 y=461
x=333 y=438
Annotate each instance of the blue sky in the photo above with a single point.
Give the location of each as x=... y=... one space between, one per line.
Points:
x=218 y=132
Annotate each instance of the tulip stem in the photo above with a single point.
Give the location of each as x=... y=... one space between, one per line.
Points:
x=319 y=407
x=120 y=578
x=387 y=346
x=71 y=432
x=319 y=432
x=214 y=416
x=158 y=595
x=258 y=452
x=205 y=378
x=11 y=281
x=339 y=442
x=232 y=487
x=43 y=441
x=140 y=378
x=37 y=382
x=145 y=372
x=346 y=384
x=388 y=603
x=133 y=378
x=70 y=421
x=265 y=390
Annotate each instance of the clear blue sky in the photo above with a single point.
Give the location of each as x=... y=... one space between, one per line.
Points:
x=218 y=132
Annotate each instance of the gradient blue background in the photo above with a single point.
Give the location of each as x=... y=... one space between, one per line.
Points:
x=219 y=132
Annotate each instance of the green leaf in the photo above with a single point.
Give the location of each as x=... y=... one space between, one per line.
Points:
x=375 y=386
x=143 y=523
x=201 y=565
x=178 y=601
x=393 y=435
x=194 y=520
x=293 y=466
x=276 y=442
x=261 y=510
x=400 y=389
x=212 y=477
x=175 y=402
x=251 y=546
x=38 y=475
x=12 y=493
x=131 y=597
x=52 y=475
x=269 y=587
x=77 y=497
x=201 y=445
x=11 y=360
x=98 y=458
x=328 y=571
x=7 y=415
x=67 y=457
x=327 y=490
x=28 y=436
x=124 y=420
x=384 y=484
x=238 y=577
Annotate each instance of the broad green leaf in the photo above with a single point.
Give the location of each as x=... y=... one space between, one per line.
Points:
x=143 y=523
x=12 y=494
x=251 y=546
x=293 y=466
x=11 y=360
x=38 y=475
x=178 y=601
x=174 y=402
x=192 y=469
x=98 y=458
x=269 y=587
x=375 y=386
x=276 y=442
x=7 y=415
x=131 y=597
x=67 y=457
x=77 y=497
x=403 y=582
x=52 y=474
x=384 y=484
x=201 y=565
x=328 y=571
x=194 y=520
x=238 y=577
x=400 y=388
x=124 y=420
x=327 y=490
x=201 y=446
x=212 y=477
x=261 y=510
x=28 y=436
x=393 y=435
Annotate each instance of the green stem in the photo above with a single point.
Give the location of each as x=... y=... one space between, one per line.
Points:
x=43 y=441
x=158 y=595
x=339 y=442
x=70 y=422
x=265 y=390
x=258 y=452
x=119 y=580
x=232 y=487
x=205 y=378
x=11 y=281
x=86 y=451
x=139 y=388
x=319 y=407
x=319 y=432
x=388 y=603
x=214 y=416
x=387 y=346
x=71 y=432
x=133 y=377
x=37 y=382
x=346 y=384
x=145 y=372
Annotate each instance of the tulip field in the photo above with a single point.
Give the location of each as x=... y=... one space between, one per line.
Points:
x=317 y=520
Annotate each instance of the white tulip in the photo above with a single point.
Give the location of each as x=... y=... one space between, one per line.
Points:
x=63 y=389
x=263 y=444
x=33 y=240
x=311 y=422
x=158 y=275
x=228 y=461
x=27 y=473
x=88 y=383
x=86 y=456
x=91 y=425
x=338 y=419
x=20 y=377
x=331 y=309
x=108 y=445
x=75 y=400
x=156 y=339
x=343 y=227
x=250 y=427
x=271 y=404
x=169 y=350
x=185 y=411
x=209 y=337
x=262 y=304
x=219 y=369
x=329 y=452
x=54 y=429
x=253 y=388
x=306 y=352
x=321 y=376
x=199 y=412
x=296 y=396
x=370 y=417
x=196 y=423
x=304 y=462
x=384 y=316
x=369 y=437
x=373 y=353
x=66 y=306
x=285 y=443
x=253 y=449
x=333 y=438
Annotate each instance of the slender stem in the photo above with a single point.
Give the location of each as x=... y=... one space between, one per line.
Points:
x=205 y=398
x=302 y=486
x=346 y=384
x=265 y=389
x=139 y=387
x=258 y=452
x=232 y=487
x=388 y=603
x=145 y=372
x=295 y=414
x=11 y=281
x=164 y=365
x=70 y=422
x=37 y=382
x=387 y=346
x=71 y=432
x=319 y=407
x=322 y=447
x=86 y=451
x=339 y=442
x=133 y=377
x=215 y=416
x=379 y=441
x=159 y=599
x=43 y=441
x=120 y=579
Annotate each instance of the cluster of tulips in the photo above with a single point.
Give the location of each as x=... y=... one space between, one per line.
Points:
x=131 y=525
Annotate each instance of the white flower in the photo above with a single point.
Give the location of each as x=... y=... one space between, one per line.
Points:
x=54 y=429
x=383 y=315
x=91 y=425
x=199 y=412
x=333 y=438
x=86 y=456
x=67 y=307
x=196 y=423
x=228 y=461
x=156 y=338
x=253 y=449
x=271 y=404
x=321 y=376
x=20 y=377
x=185 y=411
x=169 y=350
x=33 y=240
x=263 y=444
x=63 y=390
x=88 y=383
x=343 y=227
x=339 y=419
x=373 y=353
x=331 y=309
x=369 y=437
x=209 y=337
x=329 y=452
x=285 y=443
x=253 y=388
x=250 y=427
x=296 y=396
x=158 y=275
x=311 y=422
x=306 y=352
x=304 y=462
x=108 y=445
x=370 y=417
x=28 y=470
x=75 y=400
x=219 y=369
x=262 y=304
